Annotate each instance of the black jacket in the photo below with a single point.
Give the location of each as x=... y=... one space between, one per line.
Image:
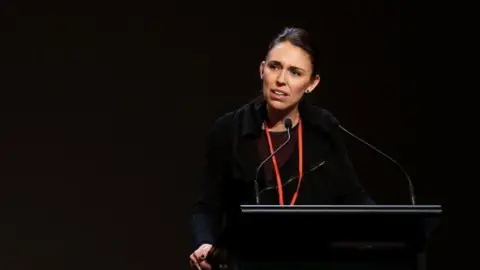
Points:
x=232 y=160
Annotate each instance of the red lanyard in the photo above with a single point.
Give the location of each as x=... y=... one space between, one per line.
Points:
x=300 y=164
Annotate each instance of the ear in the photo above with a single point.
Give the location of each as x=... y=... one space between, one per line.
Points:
x=262 y=66
x=313 y=84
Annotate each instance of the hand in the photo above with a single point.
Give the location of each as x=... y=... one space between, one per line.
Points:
x=199 y=256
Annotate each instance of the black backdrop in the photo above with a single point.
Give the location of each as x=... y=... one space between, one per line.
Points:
x=105 y=109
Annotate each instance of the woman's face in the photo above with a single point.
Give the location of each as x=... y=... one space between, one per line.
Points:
x=287 y=75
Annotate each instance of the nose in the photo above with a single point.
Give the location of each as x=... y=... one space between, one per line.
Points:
x=281 y=78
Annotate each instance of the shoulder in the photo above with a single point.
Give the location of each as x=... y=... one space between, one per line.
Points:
x=321 y=117
x=223 y=123
x=233 y=121
x=325 y=116
x=225 y=129
x=222 y=128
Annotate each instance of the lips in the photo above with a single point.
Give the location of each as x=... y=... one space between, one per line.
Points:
x=279 y=92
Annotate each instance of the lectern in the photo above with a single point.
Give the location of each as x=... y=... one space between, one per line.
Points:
x=334 y=237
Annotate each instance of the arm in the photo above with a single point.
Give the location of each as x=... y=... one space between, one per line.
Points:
x=208 y=210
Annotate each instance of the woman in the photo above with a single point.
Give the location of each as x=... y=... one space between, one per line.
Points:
x=311 y=168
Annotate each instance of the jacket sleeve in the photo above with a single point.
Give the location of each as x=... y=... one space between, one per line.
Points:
x=208 y=210
x=349 y=190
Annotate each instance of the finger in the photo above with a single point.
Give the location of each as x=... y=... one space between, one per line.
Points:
x=200 y=255
x=196 y=255
x=194 y=262
x=197 y=266
x=193 y=259
x=205 y=266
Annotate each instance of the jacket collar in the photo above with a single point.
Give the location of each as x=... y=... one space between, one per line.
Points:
x=255 y=113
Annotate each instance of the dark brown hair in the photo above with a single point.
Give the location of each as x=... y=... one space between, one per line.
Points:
x=301 y=38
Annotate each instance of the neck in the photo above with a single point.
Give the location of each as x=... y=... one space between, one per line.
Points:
x=276 y=118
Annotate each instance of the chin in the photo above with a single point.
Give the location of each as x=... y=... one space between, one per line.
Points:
x=278 y=105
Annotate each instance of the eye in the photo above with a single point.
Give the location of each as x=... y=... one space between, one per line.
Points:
x=295 y=73
x=273 y=65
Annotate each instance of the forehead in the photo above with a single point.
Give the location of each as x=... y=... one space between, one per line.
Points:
x=290 y=55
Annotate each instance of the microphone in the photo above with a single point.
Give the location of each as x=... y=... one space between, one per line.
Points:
x=410 y=185
x=288 y=126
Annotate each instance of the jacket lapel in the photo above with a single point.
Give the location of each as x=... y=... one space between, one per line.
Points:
x=315 y=148
x=316 y=138
x=248 y=121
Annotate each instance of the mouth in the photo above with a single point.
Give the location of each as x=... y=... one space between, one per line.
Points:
x=279 y=93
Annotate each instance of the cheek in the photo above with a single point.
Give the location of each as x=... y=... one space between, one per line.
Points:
x=298 y=88
x=269 y=79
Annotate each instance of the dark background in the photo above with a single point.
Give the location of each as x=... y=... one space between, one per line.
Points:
x=105 y=108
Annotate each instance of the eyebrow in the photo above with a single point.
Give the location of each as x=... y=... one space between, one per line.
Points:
x=278 y=62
